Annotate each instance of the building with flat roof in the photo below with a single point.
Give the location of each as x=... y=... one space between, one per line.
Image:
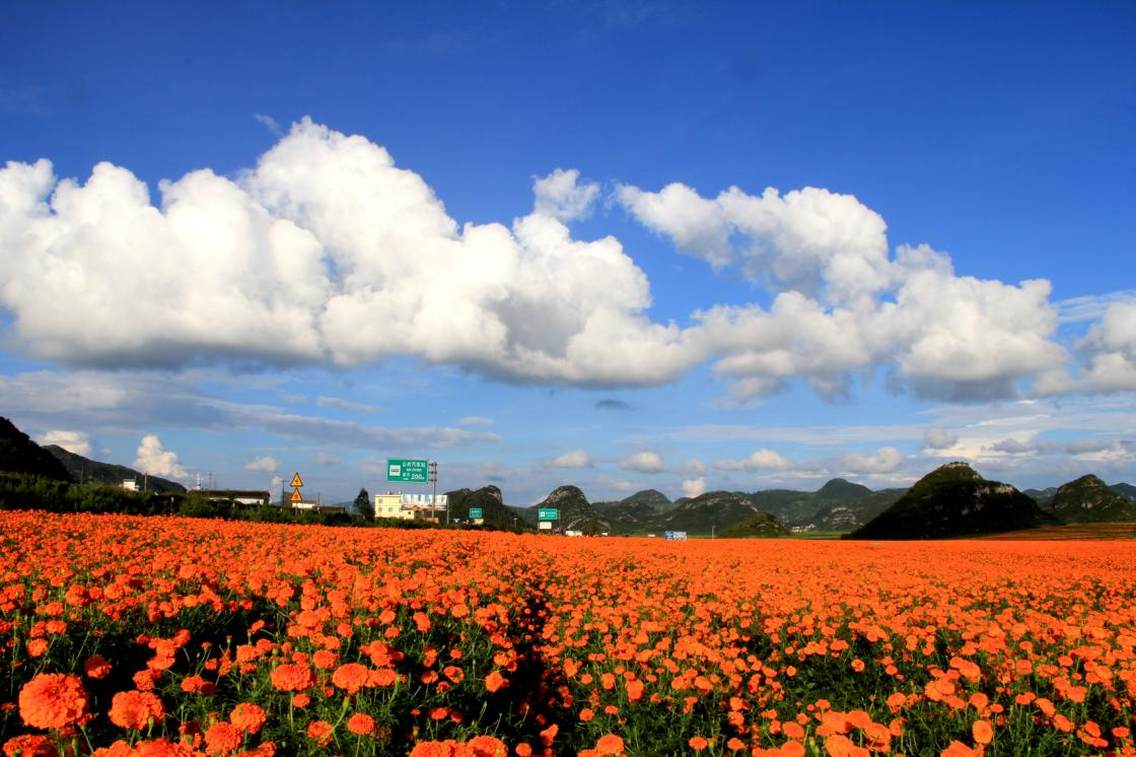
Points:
x=410 y=506
x=236 y=496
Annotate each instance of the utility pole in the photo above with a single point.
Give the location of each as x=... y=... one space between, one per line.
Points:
x=433 y=475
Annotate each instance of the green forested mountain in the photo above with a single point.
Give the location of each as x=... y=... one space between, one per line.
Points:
x=760 y=525
x=489 y=499
x=19 y=454
x=952 y=501
x=709 y=513
x=1088 y=499
x=576 y=513
x=85 y=470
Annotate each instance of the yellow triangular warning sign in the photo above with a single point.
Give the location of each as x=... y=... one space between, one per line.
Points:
x=296 y=495
x=297 y=482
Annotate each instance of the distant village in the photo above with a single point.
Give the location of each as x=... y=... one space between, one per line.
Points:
x=389 y=505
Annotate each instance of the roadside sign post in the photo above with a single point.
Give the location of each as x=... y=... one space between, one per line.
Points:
x=296 y=483
x=408 y=471
x=545 y=516
x=417 y=472
x=433 y=469
x=476 y=513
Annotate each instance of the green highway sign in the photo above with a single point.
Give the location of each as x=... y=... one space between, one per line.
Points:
x=475 y=513
x=548 y=513
x=408 y=471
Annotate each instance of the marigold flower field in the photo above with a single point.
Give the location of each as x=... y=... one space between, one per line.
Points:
x=127 y=635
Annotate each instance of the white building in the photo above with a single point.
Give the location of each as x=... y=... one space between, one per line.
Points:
x=410 y=506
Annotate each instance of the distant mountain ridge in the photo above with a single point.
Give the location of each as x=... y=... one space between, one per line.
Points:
x=839 y=505
x=574 y=510
x=86 y=470
x=1090 y=500
x=709 y=513
x=761 y=525
x=489 y=498
x=1124 y=490
x=953 y=501
x=19 y=454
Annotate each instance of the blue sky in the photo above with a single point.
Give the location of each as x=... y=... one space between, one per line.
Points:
x=672 y=245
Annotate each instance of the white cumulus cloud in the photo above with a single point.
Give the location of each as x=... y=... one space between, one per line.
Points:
x=576 y=458
x=76 y=442
x=693 y=487
x=1108 y=353
x=324 y=252
x=885 y=460
x=264 y=464
x=762 y=459
x=842 y=304
x=154 y=460
x=644 y=462
x=561 y=195
x=937 y=438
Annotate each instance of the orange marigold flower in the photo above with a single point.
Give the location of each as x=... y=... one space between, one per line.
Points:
x=382 y=677
x=609 y=744
x=144 y=680
x=698 y=743
x=350 y=677
x=487 y=746
x=96 y=666
x=290 y=677
x=324 y=659
x=549 y=734
x=118 y=749
x=792 y=730
x=30 y=745
x=223 y=738
x=135 y=709
x=838 y=745
x=53 y=701
x=248 y=717
x=958 y=749
x=982 y=731
x=432 y=749
x=161 y=748
x=320 y=731
x=494 y=681
x=1062 y=723
x=361 y=724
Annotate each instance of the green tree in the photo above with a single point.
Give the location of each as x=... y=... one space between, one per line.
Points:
x=364 y=506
